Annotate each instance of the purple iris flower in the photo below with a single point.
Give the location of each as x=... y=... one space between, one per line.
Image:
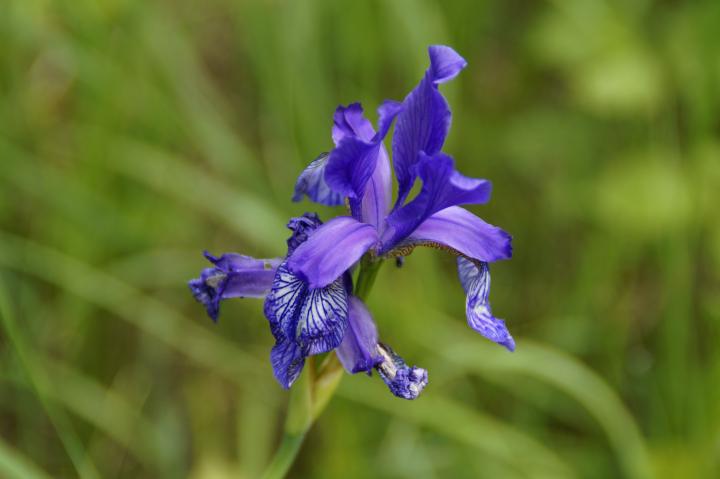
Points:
x=309 y=300
x=359 y=169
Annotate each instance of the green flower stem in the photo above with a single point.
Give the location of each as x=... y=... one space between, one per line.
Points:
x=314 y=388
x=369 y=268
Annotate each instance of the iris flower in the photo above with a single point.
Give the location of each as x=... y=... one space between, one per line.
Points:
x=309 y=300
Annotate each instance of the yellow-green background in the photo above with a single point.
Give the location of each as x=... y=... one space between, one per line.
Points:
x=136 y=133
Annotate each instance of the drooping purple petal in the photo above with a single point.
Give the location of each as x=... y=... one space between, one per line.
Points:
x=331 y=250
x=458 y=229
x=311 y=182
x=424 y=121
x=475 y=279
x=304 y=321
x=284 y=302
x=322 y=321
x=358 y=350
x=403 y=381
x=315 y=318
x=442 y=187
x=287 y=360
x=301 y=227
x=233 y=276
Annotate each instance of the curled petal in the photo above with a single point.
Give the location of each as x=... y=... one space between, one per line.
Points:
x=445 y=63
x=311 y=182
x=331 y=250
x=357 y=352
x=232 y=276
x=475 y=279
x=301 y=227
x=403 y=381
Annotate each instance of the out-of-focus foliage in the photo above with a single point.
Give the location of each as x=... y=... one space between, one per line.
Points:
x=133 y=134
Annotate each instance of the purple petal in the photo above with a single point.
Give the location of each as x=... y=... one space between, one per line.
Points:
x=358 y=350
x=442 y=187
x=287 y=360
x=233 y=276
x=445 y=63
x=350 y=121
x=301 y=227
x=462 y=231
x=284 y=302
x=322 y=321
x=351 y=165
x=311 y=182
x=331 y=250
x=403 y=381
x=475 y=279
x=315 y=318
x=358 y=168
x=376 y=200
x=424 y=121
x=387 y=112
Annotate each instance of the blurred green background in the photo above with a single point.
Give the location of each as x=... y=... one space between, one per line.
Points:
x=134 y=134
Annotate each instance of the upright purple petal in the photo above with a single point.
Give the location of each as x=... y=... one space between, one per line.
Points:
x=331 y=250
x=350 y=121
x=377 y=199
x=358 y=350
x=403 y=381
x=425 y=119
x=475 y=278
x=233 y=276
x=387 y=111
x=442 y=187
x=311 y=183
x=351 y=165
x=358 y=168
x=458 y=229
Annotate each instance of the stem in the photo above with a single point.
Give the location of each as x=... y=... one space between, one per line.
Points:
x=284 y=456
x=314 y=389
x=366 y=278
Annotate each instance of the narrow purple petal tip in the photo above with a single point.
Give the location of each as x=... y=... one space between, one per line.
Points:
x=445 y=63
